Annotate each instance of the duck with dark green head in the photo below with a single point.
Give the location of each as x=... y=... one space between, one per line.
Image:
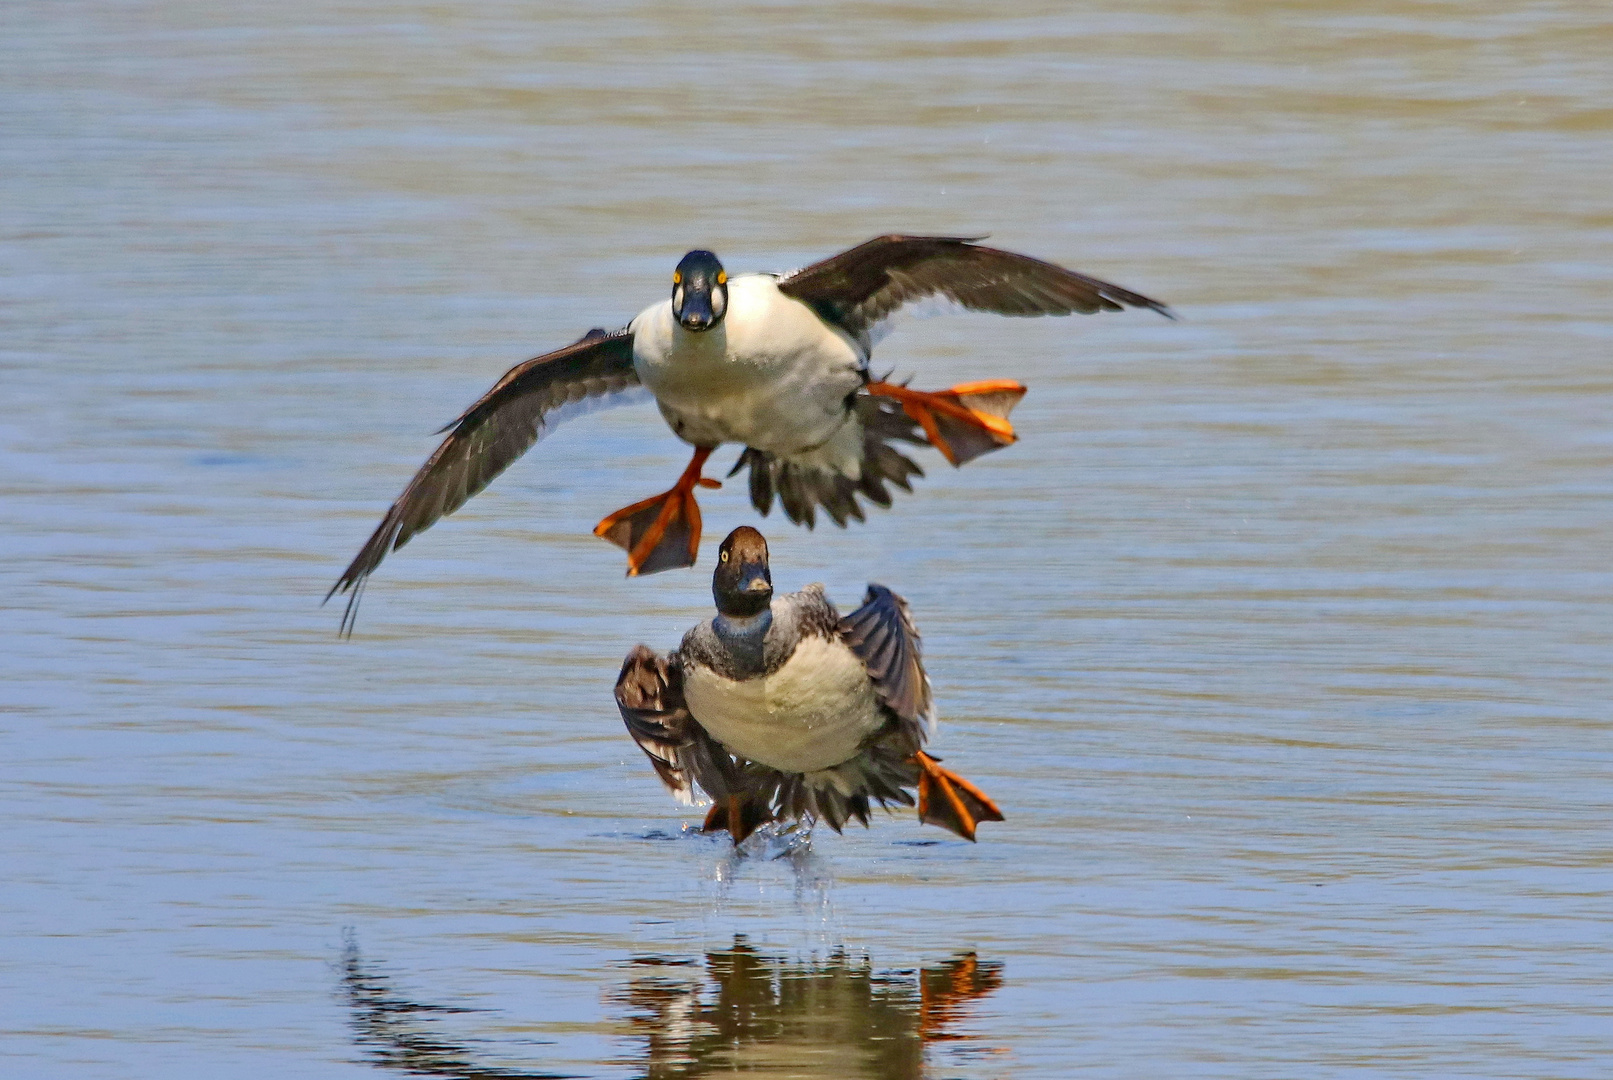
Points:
x=776 y=363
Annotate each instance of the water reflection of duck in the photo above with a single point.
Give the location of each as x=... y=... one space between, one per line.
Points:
x=779 y=709
x=838 y=1017
x=778 y=363
x=395 y=1031
x=739 y=1011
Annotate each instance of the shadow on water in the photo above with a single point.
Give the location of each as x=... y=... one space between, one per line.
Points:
x=740 y=1010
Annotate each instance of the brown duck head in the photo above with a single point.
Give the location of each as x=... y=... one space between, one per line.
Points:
x=742 y=584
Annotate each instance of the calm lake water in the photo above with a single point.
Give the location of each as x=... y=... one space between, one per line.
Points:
x=1282 y=638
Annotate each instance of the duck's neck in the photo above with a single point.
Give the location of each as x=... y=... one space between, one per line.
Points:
x=743 y=627
x=745 y=638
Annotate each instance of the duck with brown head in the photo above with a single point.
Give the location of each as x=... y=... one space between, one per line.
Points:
x=742 y=584
x=779 y=708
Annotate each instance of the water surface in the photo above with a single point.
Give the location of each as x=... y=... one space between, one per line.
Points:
x=1282 y=637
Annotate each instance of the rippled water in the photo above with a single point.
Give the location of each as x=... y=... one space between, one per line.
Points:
x=1283 y=637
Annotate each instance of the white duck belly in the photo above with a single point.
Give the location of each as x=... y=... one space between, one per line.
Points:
x=771 y=375
x=813 y=712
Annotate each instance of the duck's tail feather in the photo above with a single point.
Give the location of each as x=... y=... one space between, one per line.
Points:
x=801 y=488
x=846 y=791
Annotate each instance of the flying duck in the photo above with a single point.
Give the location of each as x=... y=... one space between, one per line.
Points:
x=779 y=709
x=778 y=363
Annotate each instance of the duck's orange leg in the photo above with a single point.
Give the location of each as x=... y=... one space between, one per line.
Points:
x=963 y=422
x=739 y=815
x=663 y=531
x=948 y=800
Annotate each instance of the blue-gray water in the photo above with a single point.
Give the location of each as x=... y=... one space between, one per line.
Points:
x=1282 y=637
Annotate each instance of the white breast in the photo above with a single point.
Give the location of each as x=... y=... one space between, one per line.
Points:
x=812 y=713
x=771 y=375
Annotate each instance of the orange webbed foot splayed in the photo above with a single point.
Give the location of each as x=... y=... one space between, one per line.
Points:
x=962 y=422
x=948 y=800
x=663 y=531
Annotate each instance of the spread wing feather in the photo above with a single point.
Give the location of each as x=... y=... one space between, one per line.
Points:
x=482 y=442
x=860 y=288
x=649 y=693
x=882 y=634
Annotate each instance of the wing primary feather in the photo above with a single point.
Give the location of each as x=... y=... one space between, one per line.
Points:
x=882 y=634
x=487 y=437
x=862 y=287
x=649 y=695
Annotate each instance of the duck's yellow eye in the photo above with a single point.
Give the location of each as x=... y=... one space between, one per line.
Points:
x=723 y=556
x=677 y=278
x=722 y=277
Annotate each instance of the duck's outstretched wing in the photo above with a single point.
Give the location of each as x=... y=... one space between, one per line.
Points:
x=649 y=693
x=883 y=636
x=861 y=288
x=483 y=441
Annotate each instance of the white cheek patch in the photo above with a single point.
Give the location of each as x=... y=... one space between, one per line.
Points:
x=677 y=298
x=719 y=303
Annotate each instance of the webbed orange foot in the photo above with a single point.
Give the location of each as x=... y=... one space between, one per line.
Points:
x=948 y=800
x=663 y=531
x=739 y=816
x=963 y=422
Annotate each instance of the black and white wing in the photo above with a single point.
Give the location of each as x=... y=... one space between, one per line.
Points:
x=501 y=426
x=883 y=636
x=861 y=288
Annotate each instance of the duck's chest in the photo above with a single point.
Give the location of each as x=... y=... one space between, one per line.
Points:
x=814 y=711
x=771 y=374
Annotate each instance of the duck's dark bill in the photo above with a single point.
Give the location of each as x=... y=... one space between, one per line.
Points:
x=697 y=314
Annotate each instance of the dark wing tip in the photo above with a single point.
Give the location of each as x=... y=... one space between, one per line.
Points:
x=1127 y=298
x=863 y=286
x=486 y=438
x=388 y=536
x=877 y=592
x=1153 y=305
x=909 y=238
x=882 y=634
